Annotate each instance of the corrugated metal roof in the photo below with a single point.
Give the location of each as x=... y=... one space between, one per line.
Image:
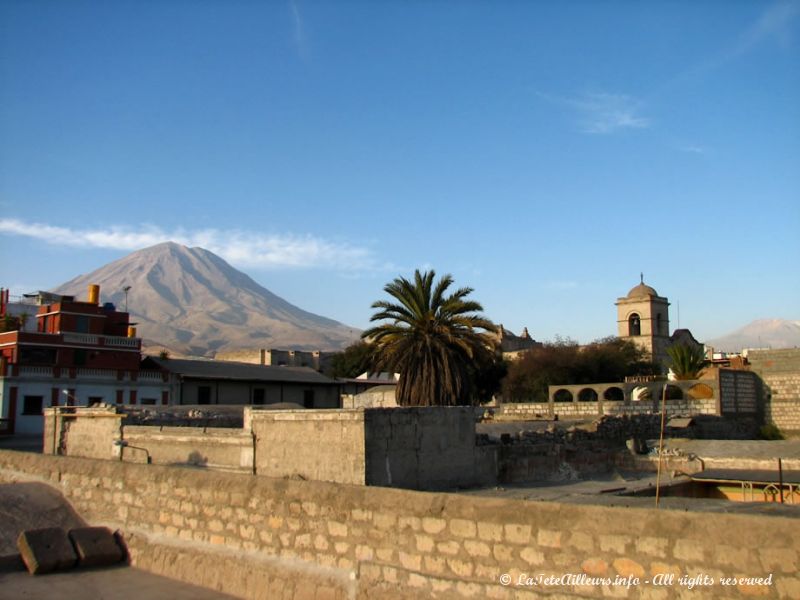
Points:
x=218 y=369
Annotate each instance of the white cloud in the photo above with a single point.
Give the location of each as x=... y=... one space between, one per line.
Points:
x=604 y=113
x=774 y=23
x=300 y=39
x=243 y=248
x=608 y=113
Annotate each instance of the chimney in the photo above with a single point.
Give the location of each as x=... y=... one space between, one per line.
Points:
x=94 y=294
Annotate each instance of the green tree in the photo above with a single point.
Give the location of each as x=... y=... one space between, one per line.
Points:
x=432 y=339
x=350 y=362
x=564 y=362
x=687 y=360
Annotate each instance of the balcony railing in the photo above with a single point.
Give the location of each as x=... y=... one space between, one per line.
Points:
x=81 y=338
x=149 y=376
x=36 y=371
x=123 y=342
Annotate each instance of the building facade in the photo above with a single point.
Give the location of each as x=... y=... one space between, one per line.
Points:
x=80 y=353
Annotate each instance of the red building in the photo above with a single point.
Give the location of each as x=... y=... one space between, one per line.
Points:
x=71 y=333
x=78 y=353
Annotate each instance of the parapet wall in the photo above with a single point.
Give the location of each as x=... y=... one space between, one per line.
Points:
x=258 y=537
x=419 y=448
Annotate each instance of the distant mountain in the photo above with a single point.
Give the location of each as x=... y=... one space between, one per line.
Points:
x=762 y=333
x=191 y=301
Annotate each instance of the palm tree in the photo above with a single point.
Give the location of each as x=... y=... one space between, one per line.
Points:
x=687 y=360
x=431 y=340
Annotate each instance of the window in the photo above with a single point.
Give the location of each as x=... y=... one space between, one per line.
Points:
x=634 y=325
x=308 y=398
x=658 y=325
x=82 y=324
x=95 y=400
x=258 y=396
x=79 y=357
x=32 y=405
x=148 y=400
x=204 y=394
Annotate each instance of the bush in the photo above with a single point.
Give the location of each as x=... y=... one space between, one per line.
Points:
x=770 y=432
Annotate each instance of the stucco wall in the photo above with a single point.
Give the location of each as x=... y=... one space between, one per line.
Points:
x=259 y=537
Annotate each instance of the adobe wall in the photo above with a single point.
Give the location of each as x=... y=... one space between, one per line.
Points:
x=780 y=372
x=258 y=537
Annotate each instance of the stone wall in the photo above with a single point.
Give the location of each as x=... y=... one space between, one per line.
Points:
x=319 y=445
x=207 y=447
x=780 y=372
x=84 y=432
x=425 y=448
x=258 y=537
x=419 y=448
x=578 y=410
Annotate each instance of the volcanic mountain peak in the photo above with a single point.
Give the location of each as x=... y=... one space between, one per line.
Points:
x=193 y=302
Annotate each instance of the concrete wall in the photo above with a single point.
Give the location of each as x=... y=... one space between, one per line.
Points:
x=259 y=537
x=780 y=372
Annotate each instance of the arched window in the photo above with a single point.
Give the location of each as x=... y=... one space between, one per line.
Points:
x=659 y=331
x=634 y=325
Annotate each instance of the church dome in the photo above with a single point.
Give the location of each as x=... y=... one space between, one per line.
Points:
x=642 y=291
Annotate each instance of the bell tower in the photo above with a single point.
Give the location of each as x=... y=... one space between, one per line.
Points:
x=643 y=318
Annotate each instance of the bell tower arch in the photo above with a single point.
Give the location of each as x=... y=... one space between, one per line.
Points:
x=643 y=318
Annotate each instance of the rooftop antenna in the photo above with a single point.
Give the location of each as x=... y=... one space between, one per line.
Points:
x=126 y=289
x=641 y=278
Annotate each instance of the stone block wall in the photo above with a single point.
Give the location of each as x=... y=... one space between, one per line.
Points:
x=780 y=372
x=321 y=445
x=258 y=537
x=577 y=410
x=419 y=448
x=424 y=448
x=84 y=432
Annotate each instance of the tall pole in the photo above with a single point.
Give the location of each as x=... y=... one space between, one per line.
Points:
x=661 y=442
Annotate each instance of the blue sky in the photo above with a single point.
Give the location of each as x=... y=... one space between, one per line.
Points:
x=544 y=153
